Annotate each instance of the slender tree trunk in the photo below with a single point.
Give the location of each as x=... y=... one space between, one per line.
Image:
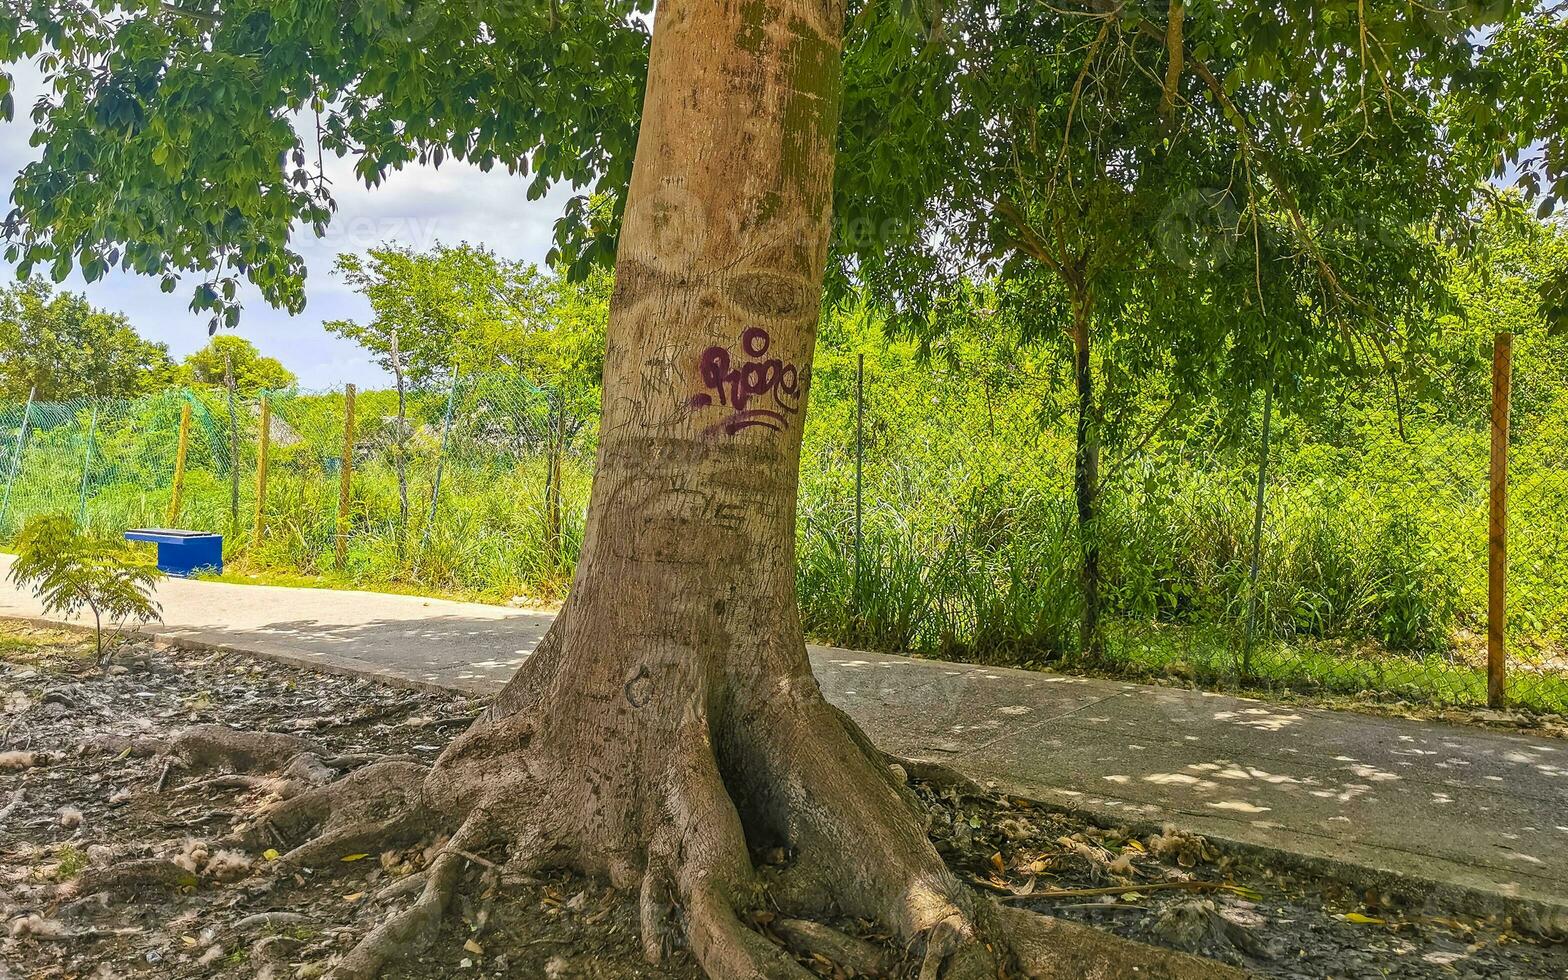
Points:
x=1086 y=477
x=668 y=726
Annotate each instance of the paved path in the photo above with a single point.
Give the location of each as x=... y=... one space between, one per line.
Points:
x=1477 y=809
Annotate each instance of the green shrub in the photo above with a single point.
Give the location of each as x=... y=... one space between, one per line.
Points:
x=69 y=571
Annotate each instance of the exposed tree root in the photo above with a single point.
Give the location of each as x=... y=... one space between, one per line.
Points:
x=673 y=798
x=363 y=811
x=132 y=876
x=208 y=747
x=695 y=873
x=415 y=925
x=815 y=940
x=5 y=811
x=264 y=921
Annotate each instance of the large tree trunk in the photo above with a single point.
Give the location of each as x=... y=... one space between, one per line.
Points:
x=669 y=725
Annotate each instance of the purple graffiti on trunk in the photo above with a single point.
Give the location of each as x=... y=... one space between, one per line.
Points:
x=738 y=384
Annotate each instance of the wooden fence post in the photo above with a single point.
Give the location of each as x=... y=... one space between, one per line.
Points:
x=346 y=474
x=263 y=442
x=179 y=464
x=1497 y=535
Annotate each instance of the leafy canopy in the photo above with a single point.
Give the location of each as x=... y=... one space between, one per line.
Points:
x=1231 y=191
x=205 y=124
x=60 y=347
x=69 y=571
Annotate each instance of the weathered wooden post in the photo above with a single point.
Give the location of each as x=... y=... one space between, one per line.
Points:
x=346 y=475
x=1497 y=535
x=263 y=443
x=179 y=465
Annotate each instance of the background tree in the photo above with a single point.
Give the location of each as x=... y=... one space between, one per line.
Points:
x=1517 y=258
x=1213 y=199
x=464 y=308
x=253 y=372
x=427 y=300
x=62 y=348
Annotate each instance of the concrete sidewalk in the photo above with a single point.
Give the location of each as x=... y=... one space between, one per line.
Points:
x=1481 y=814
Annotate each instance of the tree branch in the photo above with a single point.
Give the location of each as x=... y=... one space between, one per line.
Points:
x=201 y=15
x=1177 y=50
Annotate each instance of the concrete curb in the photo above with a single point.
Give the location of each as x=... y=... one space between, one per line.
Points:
x=1544 y=917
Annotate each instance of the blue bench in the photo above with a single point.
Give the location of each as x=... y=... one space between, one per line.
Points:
x=182 y=552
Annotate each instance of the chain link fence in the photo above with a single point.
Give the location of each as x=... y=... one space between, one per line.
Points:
x=937 y=515
x=477 y=487
x=1361 y=567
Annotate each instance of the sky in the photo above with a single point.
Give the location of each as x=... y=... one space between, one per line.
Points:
x=418 y=207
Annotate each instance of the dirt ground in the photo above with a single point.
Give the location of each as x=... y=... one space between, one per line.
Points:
x=76 y=800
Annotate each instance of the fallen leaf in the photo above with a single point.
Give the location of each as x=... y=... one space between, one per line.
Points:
x=474 y=948
x=998 y=863
x=354 y=897
x=354 y=857
x=188 y=940
x=271 y=854
x=1362 y=920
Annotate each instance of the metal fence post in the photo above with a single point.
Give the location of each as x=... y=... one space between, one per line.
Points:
x=1497 y=531
x=234 y=450
x=1257 y=528
x=435 y=486
x=87 y=468
x=557 y=444
x=179 y=464
x=263 y=444
x=16 y=456
x=860 y=456
x=346 y=477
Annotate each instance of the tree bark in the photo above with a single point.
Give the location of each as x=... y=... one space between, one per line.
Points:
x=668 y=726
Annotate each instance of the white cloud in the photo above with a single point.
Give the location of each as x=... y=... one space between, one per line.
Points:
x=417 y=206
